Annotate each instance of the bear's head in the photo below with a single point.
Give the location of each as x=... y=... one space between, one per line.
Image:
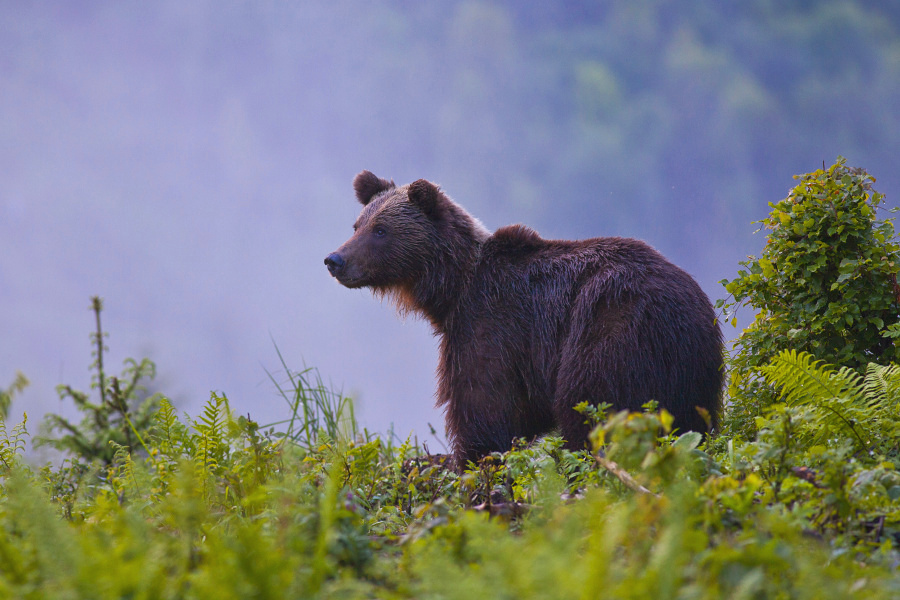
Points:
x=395 y=236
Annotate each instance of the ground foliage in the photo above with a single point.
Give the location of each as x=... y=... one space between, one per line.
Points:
x=218 y=507
x=804 y=505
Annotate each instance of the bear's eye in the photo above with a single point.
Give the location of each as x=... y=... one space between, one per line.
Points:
x=379 y=232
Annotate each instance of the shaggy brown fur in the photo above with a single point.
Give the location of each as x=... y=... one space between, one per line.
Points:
x=531 y=327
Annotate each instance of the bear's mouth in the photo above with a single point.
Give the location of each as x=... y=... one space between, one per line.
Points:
x=344 y=273
x=349 y=281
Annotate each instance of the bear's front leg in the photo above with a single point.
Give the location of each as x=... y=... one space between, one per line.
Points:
x=486 y=405
x=479 y=435
x=492 y=389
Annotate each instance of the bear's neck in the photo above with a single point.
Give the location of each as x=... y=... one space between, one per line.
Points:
x=439 y=292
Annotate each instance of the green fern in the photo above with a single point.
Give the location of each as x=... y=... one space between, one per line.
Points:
x=167 y=432
x=12 y=443
x=123 y=475
x=845 y=404
x=208 y=441
x=882 y=384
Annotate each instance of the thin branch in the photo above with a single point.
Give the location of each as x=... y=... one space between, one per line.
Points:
x=97 y=306
x=623 y=476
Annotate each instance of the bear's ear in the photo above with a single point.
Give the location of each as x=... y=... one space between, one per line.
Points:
x=367 y=185
x=425 y=195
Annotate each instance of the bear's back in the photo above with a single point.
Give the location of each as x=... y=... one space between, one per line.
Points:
x=529 y=290
x=526 y=288
x=517 y=254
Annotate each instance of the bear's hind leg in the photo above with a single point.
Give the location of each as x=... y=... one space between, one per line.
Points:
x=602 y=361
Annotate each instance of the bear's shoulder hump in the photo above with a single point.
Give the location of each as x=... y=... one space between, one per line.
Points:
x=517 y=235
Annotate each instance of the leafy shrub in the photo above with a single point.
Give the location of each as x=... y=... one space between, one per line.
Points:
x=825 y=283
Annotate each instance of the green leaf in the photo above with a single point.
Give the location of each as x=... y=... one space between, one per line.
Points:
x=844 y=277
x=688 y=441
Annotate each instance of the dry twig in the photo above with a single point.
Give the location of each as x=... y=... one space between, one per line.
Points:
x=623 y=476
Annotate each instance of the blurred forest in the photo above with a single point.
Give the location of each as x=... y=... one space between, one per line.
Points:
x=670 y=122
x=191 y=161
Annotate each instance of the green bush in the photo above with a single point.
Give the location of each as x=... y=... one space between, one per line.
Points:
x=825 y=283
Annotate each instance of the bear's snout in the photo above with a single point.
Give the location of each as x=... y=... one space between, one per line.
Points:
x=335 y=264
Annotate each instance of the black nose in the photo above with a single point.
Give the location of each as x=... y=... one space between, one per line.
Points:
x=334 y=262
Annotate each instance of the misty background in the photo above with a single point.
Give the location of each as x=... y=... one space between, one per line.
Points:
x=191 y=163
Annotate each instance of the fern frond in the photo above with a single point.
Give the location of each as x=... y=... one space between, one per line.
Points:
x=804 y=379
x=208 y=446
x=12 y=443
x=205 y=457
x=836 y=396
x=168 y=433
x=882 y=385
x=123 y=472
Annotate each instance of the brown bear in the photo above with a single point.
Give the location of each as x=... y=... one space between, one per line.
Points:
x=530 y=327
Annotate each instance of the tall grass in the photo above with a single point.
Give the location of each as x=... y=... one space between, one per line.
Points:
x=314 y=407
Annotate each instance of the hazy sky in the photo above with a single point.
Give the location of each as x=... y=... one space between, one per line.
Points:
x=191 y=163
x=179 y=161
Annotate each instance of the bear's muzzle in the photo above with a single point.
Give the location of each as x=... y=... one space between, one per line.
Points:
x=335 y=264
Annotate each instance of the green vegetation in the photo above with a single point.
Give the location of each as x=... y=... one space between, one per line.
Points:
x=120 y=419
x=798 y=497
x=826 y=283
x=19 y=383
